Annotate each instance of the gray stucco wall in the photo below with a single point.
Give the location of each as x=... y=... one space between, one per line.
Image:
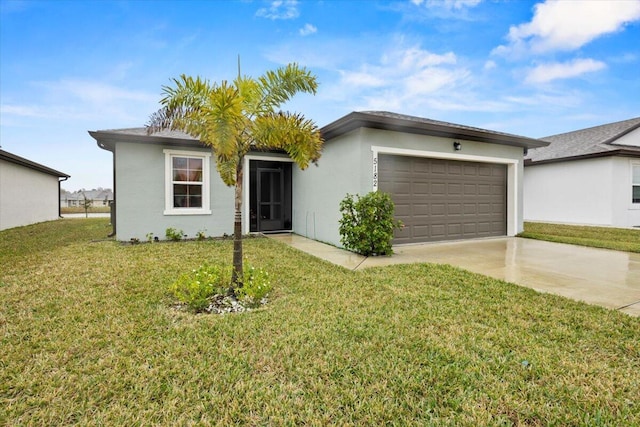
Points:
x=140 y=196
x=346 y=166
x=27 y=196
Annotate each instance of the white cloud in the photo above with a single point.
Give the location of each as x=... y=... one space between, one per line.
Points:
x=553 y=71
x=361 y=78
x=404 y=79
x=280 y=9
x=82 y=100
x=489 y=65
x=568 y=25
x=308 y=29
x=447 y=4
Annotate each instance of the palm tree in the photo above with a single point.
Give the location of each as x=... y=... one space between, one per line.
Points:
x=234 y=118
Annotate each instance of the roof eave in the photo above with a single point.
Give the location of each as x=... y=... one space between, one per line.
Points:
x=621 y=152
x=107 y=140
x=356 y=120
x=12 y=158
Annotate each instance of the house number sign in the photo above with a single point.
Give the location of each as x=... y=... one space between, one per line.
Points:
x=375 y=171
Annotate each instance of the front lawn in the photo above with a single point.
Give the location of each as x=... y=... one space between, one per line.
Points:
x=89 y=337
x=621 y=239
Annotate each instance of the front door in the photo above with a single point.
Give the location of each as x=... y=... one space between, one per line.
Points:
x=270 y=196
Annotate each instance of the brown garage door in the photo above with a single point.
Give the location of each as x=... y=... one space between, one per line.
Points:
x=445 y=199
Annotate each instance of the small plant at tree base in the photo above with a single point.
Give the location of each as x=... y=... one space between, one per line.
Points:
x=197 y=287
x=256 y=286
x=173 y=234
x=367 y=223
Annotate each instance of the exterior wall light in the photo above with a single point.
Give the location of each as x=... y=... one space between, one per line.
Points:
x=457 y=146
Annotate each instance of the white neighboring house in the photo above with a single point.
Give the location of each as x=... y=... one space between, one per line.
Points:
x=29 y=191
x=590 y=176
x=99 y=198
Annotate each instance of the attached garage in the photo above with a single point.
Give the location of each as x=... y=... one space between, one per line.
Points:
x=448 y=181
x=440 y=199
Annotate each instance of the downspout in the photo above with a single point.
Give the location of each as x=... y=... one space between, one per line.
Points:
x=113 y=202
x=60 y=195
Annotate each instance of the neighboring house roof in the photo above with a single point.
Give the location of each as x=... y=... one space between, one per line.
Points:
x=422 y=126
x=12 y=158
x=104 y=194
x=598 y=141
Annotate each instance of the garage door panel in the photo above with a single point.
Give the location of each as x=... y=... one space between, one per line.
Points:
x=438 y=209
x=421 y=209
x=444 y=200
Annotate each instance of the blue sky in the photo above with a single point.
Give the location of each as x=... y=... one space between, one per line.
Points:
x=532 y=68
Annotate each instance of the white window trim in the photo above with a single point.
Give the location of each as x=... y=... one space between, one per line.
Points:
x=512 y=175
x=631 y=185
x=168 y=183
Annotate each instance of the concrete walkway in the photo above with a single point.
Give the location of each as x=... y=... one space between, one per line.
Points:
x=596 y=276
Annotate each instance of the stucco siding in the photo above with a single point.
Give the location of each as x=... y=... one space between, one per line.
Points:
x=318 y=190
x=27 y=196
x=625 y=213
x=580 y=192
x=346 y=166
x=140 y=197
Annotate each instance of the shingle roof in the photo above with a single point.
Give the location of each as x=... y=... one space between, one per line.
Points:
x=596 y=141
x=5 y=155
x=423 y=126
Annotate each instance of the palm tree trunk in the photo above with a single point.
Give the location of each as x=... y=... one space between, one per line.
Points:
x=236 y=275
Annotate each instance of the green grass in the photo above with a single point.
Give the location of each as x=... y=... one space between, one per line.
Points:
x=79 y=209
x=621 y=239
x=88 y=337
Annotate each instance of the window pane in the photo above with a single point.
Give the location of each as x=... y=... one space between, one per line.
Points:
x=195 y=175
x=195 y=164
x=179 y=201
x=636 y=194
x=187 y=169
x=187 y=196
x=180 y=174
x=180 y=163
x=636 y=174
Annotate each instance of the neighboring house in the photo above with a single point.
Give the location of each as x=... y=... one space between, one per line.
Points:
x=590 y=176
x=448 y=181
x=98 y=198
x=29 y=191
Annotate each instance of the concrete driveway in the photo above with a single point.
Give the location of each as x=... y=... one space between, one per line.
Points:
x=596 y=276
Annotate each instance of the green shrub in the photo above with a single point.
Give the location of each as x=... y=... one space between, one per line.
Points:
x=367 y=223
x=197 y=287
x=173 y=234
x=256 y=285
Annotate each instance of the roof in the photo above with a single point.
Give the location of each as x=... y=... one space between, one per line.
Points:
x=423 y=126
x=107 y=138
x=12 y=158
x=369 y=119
x=597 y=141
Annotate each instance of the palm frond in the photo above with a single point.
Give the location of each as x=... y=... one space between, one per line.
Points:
x=279 y=86
x=179 y=103
x=293 y=133
x=227 y=168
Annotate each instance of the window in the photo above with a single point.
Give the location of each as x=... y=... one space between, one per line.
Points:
x=635 y=183
x=186 y=183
